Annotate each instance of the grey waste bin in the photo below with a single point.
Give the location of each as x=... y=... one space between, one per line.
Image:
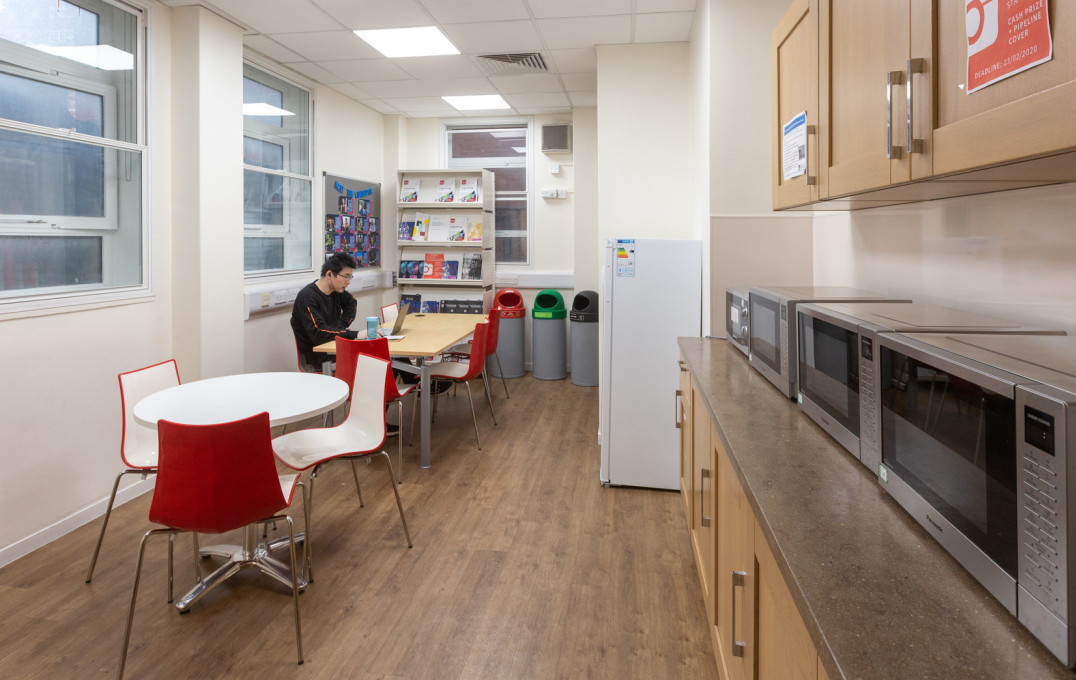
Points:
x=584 y=320
x=508 y=304
x=548 y=336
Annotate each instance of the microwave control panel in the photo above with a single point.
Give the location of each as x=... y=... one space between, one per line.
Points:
x=868 y=418
x=1041 y=493
x=784 y=336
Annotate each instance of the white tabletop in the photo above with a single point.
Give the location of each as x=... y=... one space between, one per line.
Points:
x=288 y=397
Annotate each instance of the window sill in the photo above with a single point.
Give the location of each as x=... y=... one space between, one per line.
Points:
x=72 y=303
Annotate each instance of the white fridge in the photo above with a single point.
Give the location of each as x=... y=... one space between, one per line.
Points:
x=651 y=295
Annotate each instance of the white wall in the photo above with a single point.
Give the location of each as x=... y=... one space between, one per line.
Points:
x=750 y=243
x=59 y=406
x=699 y=92
x=1011 y=254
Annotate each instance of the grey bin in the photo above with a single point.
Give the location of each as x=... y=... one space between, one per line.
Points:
x=549 y=336
x=584 y=320
x=508 y=304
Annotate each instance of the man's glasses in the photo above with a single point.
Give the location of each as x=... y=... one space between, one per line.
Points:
x=346 y=277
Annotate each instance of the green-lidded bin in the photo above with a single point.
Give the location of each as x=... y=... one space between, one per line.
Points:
x=549 y=332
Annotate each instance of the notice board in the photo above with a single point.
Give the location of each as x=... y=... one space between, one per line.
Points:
x=353 y=219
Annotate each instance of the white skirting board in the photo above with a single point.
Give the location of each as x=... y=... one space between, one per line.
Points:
x=94 y=511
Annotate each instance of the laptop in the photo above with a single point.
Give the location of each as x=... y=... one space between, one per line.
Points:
x=396 y=327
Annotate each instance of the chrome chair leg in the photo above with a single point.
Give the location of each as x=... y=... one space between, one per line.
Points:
x=355 y=474
x=470 y=401
x=134 y=597
x=171 y=545
x=108 y=513
x=489 y=399
x=396 y=492
x=399 y=442
x=295 y=588
x=501 y=372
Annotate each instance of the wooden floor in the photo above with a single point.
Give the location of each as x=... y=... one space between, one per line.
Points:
x=523 y=566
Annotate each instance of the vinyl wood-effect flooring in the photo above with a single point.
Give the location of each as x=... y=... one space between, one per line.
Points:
x=523 y=566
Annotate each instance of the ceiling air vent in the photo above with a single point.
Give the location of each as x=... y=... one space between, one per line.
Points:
x=556 y=138
x=509 y=64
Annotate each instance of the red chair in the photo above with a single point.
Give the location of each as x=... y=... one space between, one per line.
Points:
x=138 y=444
x=347 y=351
x=465 y=371
x=464 y=349
x=361 y=434
x=212 y=479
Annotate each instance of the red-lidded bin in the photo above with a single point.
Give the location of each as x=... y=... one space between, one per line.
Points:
x=508 y=304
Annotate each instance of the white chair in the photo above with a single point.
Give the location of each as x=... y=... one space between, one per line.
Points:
x=361 y=434
x=389 y=313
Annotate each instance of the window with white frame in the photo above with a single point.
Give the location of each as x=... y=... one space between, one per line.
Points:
x=72 y=149
x=504 y=150
x=277 y=180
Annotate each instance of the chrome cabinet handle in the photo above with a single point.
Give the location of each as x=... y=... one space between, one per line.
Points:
x=683 y=366
x=914 y=66
x=891 y=78
x=676 y=405
x=738 y=646
x=704 y=473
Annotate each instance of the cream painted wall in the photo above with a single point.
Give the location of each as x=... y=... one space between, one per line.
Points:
x=699 y=91
x=585 y=152
x=348 y=142
x=1010 y=254
x=59 y=406
x=750 y=244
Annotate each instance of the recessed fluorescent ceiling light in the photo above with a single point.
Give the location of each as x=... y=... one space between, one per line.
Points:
x=104 y=57
x=507 y=134
x=263 y=109
x=423 y=41
x=477 y=102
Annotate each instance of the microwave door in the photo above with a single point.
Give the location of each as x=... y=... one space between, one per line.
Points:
x=766 y=332
x=952 y=441
x=829 y=377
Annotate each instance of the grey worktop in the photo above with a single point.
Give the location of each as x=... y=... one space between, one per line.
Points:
x=879 y=596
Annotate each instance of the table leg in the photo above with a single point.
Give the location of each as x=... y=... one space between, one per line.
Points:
x=424 y=404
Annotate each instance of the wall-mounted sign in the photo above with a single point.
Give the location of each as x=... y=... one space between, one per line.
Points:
x=1005 y=37
x=794 y=146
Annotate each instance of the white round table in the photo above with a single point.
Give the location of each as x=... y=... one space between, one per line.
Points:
x=288 y=397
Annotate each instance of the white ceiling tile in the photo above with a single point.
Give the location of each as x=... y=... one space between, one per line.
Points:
x=358 y=70
x=666 y=27
x=270 y=48
x=379 y=106
x=409 y=104
x=544 y=9
x=543 y=110
x=457 y=12
x=644 y=6
x=435 y=114
x=447 y=66
x=579 y=82
x=327 y=45
x=351 y=90
x=531 y=100
x=315 y=72
x=585 y=32
x=533 y=83
x=583 y=98
x=459 y=86
x=278 y=16
x=391 y=89
x=375 y=13
x=575 y=61
x=497 y=36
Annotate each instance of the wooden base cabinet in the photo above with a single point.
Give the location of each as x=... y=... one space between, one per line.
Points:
x=735 y=570
x=702 y=499
x=683 y=422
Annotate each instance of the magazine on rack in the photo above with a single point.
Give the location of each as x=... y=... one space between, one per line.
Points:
x=409 y=190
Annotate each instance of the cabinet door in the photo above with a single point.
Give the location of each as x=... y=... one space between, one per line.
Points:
x=735 y=569
x=865 y=64
x=702 y=506
x=1028 y=114
x=795 y=89
x=683 y=409
x=784 y=647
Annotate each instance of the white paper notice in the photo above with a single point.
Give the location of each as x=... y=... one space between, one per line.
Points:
x=625 y=257
x=794 y=146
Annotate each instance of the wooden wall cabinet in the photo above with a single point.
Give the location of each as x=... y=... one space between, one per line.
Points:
x=795 y=89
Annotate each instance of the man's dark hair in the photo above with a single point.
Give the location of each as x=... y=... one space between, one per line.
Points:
x=337 y=262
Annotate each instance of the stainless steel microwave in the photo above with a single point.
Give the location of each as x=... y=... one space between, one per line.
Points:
x=836 y=362
x=978 y=434
x=773 y=342
x=737 y=319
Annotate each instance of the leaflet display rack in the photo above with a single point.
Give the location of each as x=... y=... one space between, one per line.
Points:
x=445 y=235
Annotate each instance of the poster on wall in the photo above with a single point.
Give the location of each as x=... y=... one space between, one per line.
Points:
x=353 y=219
x=794 y=147
x=1005 y=37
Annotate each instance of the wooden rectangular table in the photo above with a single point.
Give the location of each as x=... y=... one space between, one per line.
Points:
x=425 y=335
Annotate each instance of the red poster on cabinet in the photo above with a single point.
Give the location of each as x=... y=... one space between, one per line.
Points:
x=1005 y=37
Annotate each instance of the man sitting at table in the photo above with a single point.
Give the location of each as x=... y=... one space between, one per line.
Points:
x=323 y=310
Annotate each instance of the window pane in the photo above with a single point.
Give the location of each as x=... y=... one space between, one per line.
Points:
x=292 y=131
x=263 y=154
x=262 y=254
x=509 y=179
x=511 y=231
x=492 y=143
x=276 y=209
x=512 y=249
x=41 y=176
x=258 y=93
x=44 y=261
x=32 y=101
x=47 y=22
